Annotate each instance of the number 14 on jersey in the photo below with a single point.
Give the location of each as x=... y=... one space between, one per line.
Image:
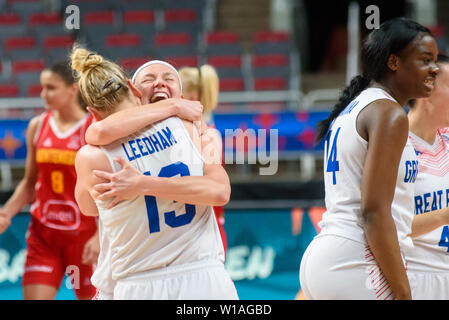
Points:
x=332 y=165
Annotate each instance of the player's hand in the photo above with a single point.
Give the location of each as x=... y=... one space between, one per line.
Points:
x=91 y=250
x=5 y=221
x=119 y=186
x=189 y=110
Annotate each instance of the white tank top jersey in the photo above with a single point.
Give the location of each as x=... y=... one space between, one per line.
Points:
x=148 y=233
x=431 y=193
x=344 y=157
x=102 y=276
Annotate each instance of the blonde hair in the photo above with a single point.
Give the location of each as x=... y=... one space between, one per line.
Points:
x=102 y=83
x=203 y=80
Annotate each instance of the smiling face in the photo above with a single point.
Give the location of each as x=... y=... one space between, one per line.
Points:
x=417 y=69
x=157 y=82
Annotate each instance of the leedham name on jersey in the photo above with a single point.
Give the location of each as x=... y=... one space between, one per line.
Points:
x=344 y=156
x=147 y=233
x=148 y=145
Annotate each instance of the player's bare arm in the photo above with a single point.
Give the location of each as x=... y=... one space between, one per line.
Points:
x=386 y=126
x=88 y=159
x=213 y=188
x=126 y=122
x=424 y=223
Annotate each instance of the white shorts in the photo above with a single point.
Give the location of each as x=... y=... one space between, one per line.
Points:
x=102 y=295
x=206 y=280
x=334 y=268
x=429 y=285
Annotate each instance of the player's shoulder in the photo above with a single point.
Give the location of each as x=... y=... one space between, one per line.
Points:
x=388 y=112
x=89 y=154
x=36 y=120
x=387 y=106
x=34 y=124
x=92 y=157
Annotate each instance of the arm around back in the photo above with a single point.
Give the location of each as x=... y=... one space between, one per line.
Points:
x=128 y=121
x=213 y=188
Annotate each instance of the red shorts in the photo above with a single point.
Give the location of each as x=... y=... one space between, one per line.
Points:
x=219 y=215
x=222 y=233
x=53 y=253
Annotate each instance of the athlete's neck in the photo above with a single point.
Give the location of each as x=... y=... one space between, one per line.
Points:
x=66 y=117
x=391 y=89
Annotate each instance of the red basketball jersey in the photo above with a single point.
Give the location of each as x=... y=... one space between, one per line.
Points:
x=55 y=205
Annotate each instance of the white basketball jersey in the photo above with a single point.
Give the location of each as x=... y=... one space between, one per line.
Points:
x=344 y=157
x=102 y=276
x=431 y=193
x=146 y=233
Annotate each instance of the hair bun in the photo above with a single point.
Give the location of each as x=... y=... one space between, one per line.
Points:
x=83 y=60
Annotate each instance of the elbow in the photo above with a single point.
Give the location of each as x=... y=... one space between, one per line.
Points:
x=376 y=221
x=369 y=215
x=86 y=210
x=368 y=218
x=89 y=214
x=223 y=196
x=96 y=134
x=369 y=226
x=30 y=188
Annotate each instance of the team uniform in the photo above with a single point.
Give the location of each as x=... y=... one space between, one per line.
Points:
x=428 y=263
x=58 y=230
x=219 y=210
x=163 y=249
x=102 y=276
x=338 y=264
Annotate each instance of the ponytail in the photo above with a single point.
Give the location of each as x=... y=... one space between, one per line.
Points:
x=356 y=86
x=392 y=37
x=205 y=82
x=102 y=83
x=209 y=88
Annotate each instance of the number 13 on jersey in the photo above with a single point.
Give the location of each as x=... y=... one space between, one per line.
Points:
x=332 y=165
x=170 y=217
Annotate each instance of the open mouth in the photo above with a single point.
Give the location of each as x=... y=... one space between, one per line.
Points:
x=158 y=96
x=429 y=83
